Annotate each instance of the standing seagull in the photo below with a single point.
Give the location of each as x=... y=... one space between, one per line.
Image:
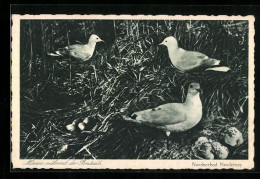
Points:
x=78 y=51
x=190 y=60
x=173 y=117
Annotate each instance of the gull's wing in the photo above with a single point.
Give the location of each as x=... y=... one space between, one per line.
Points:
x=78 y=51
x=189 y=60
x=67 y=50
x=80 y=55
x=75 y=47
x=166 y=114
x=194 y=55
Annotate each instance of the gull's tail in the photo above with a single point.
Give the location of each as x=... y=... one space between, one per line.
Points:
x=58 y=53
x=131 y=118
x=218 y=65
x=54 y=54
x=220 y=69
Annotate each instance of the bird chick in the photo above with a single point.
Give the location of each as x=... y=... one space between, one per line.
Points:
x=220 y=151
x=233 y=137
x=203 y=148
x=205 y=151
x=200 y=141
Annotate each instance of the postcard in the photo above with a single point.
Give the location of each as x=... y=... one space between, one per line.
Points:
x=132 y=92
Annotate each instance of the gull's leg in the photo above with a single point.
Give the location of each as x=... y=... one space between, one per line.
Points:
x=168 y=133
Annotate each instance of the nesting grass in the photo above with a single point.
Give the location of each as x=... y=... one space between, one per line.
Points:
x=128 y=75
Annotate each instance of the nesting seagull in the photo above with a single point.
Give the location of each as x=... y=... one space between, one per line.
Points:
x=190 y=60
x=79 y=51
x=173 y=117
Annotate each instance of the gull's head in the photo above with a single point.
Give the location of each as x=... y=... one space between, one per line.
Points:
x=170 y=42
x=94 y=38
x=194 y=88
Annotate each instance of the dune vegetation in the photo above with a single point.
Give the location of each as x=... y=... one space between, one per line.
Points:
x=127 y=73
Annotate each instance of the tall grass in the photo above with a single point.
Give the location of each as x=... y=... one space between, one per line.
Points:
x=129 y=73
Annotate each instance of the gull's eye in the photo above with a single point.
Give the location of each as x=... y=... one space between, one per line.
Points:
x=191 y=86
x=97 y=38
x=166 y=41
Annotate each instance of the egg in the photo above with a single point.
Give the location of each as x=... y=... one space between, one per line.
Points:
x=71 y=127
x=86 y=120
x=82 y=126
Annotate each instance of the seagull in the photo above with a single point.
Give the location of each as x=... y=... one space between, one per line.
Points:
x=78 y=51
x=173 y=117
x=190 y=60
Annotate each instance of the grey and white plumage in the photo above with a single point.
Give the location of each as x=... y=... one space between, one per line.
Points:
x=79 y=51
x=173 y=117
x=190 y=60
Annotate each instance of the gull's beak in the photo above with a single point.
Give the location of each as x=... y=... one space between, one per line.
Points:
x=199 y=90
x=161 y=43
x=101 y=41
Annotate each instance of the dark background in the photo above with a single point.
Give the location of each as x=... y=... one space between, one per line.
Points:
x=114 y=9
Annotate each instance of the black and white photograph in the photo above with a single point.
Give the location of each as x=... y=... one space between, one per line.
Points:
x=132 y=92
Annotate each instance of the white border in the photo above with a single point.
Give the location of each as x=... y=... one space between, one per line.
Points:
x=122 y=164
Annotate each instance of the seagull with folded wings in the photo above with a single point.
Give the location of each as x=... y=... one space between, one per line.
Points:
x=190 y=60
x=79 y=51
x=173 y=117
